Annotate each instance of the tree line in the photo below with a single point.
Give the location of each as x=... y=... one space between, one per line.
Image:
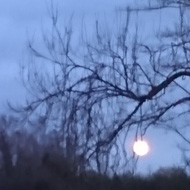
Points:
x=29 y=163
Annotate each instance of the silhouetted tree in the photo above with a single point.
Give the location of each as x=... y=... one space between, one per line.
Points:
x=95 y=93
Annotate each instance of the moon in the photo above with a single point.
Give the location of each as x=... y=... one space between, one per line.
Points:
x=140 y=147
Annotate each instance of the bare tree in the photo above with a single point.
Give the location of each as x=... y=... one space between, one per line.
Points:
x=95 y=94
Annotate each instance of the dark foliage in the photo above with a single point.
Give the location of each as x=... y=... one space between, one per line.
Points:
x=45 y=168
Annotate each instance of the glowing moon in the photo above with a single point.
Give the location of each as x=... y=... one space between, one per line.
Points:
x=140 y=148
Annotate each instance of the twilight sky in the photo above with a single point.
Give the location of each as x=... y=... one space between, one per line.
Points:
x=20 y=19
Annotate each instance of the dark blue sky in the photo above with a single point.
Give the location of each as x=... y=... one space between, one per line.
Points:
x=22 y=18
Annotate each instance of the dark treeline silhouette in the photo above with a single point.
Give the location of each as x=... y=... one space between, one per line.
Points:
x=29 y=163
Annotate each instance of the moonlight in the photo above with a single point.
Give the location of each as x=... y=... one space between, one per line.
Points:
x=140 y=148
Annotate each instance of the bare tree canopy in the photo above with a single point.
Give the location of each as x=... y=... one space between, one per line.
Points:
x=95 y=91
